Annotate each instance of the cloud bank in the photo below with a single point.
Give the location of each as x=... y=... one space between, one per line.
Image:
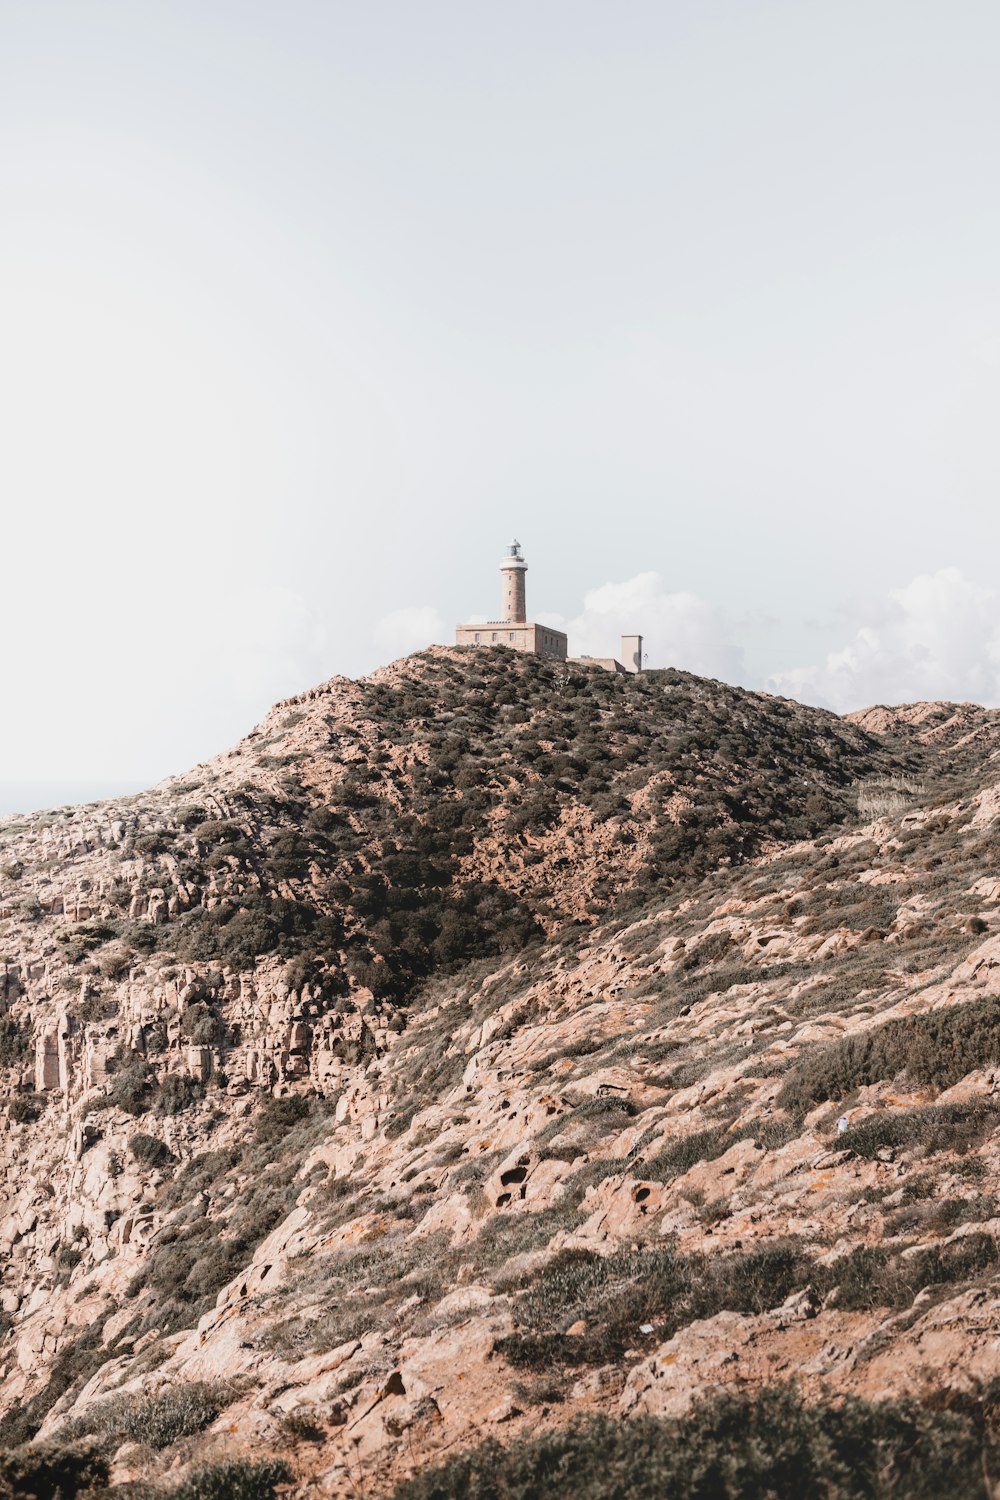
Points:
x=939 y=637
x=679 y=630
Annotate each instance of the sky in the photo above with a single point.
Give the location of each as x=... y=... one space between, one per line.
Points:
x=307 y=309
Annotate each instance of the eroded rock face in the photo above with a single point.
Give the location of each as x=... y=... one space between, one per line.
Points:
x=359 y=1200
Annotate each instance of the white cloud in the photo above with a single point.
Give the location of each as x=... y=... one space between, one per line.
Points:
x=678 y=630
x=939 y=637
x=409 y=629
x=281 y=645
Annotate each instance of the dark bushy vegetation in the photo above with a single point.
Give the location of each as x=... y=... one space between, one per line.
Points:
x=871 y=1276
x=235 y=1480
x=937 y=1048
x=765 y=1447
x=131 y=1084
x=681 y=1155
x=14 y=1042
x=953 y=1127
x=174 y=1093
x=23 y=1109
x=615 y=1295
x=149 y=1151
x=46 y=1472
x=62 y=1473
x=502 y=745
x=276 y=1117
x=182 y=1410
x=239 y=931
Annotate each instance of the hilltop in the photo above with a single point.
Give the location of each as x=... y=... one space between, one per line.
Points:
x=460 y=1058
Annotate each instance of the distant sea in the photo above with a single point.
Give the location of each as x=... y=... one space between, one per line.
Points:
x=36 y=796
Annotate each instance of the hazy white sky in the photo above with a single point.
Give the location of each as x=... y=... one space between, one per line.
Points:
x=305 y=308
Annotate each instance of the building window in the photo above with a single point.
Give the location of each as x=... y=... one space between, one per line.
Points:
x=477 y=637
x=494 y=635
x=512 y=635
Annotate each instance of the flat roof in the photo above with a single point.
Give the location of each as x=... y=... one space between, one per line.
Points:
x=509 y=625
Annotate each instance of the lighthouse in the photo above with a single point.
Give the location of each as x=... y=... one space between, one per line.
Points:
x=513 y=629
x=512 y=571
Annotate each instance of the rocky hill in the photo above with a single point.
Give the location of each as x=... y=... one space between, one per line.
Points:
x=491 y=1048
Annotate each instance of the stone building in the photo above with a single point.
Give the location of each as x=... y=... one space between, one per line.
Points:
x=631 y=657
x=515 y=630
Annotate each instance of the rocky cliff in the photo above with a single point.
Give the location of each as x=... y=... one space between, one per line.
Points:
x=489 y=1044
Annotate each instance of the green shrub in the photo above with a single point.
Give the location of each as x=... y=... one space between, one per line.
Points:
x=296 y=1427
x=276 y=1117
x=234 y=1480
x=953 y=1127
x=683 y=1154
x=218 y=831
x=176 y=1092
x=14 y=1042
x=937 y=1048
x=115 y=964
x=871 y=1276
x=616 y=1294
x=131 y=1086
x=47 y=1472
x=149 y=1151
x=190 y=816
x=182 y=1410
x=80 y=940
x=237 y=934
x=768 y=1446
x=24 y=1109
x=156 y=841
x=201 y=1025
